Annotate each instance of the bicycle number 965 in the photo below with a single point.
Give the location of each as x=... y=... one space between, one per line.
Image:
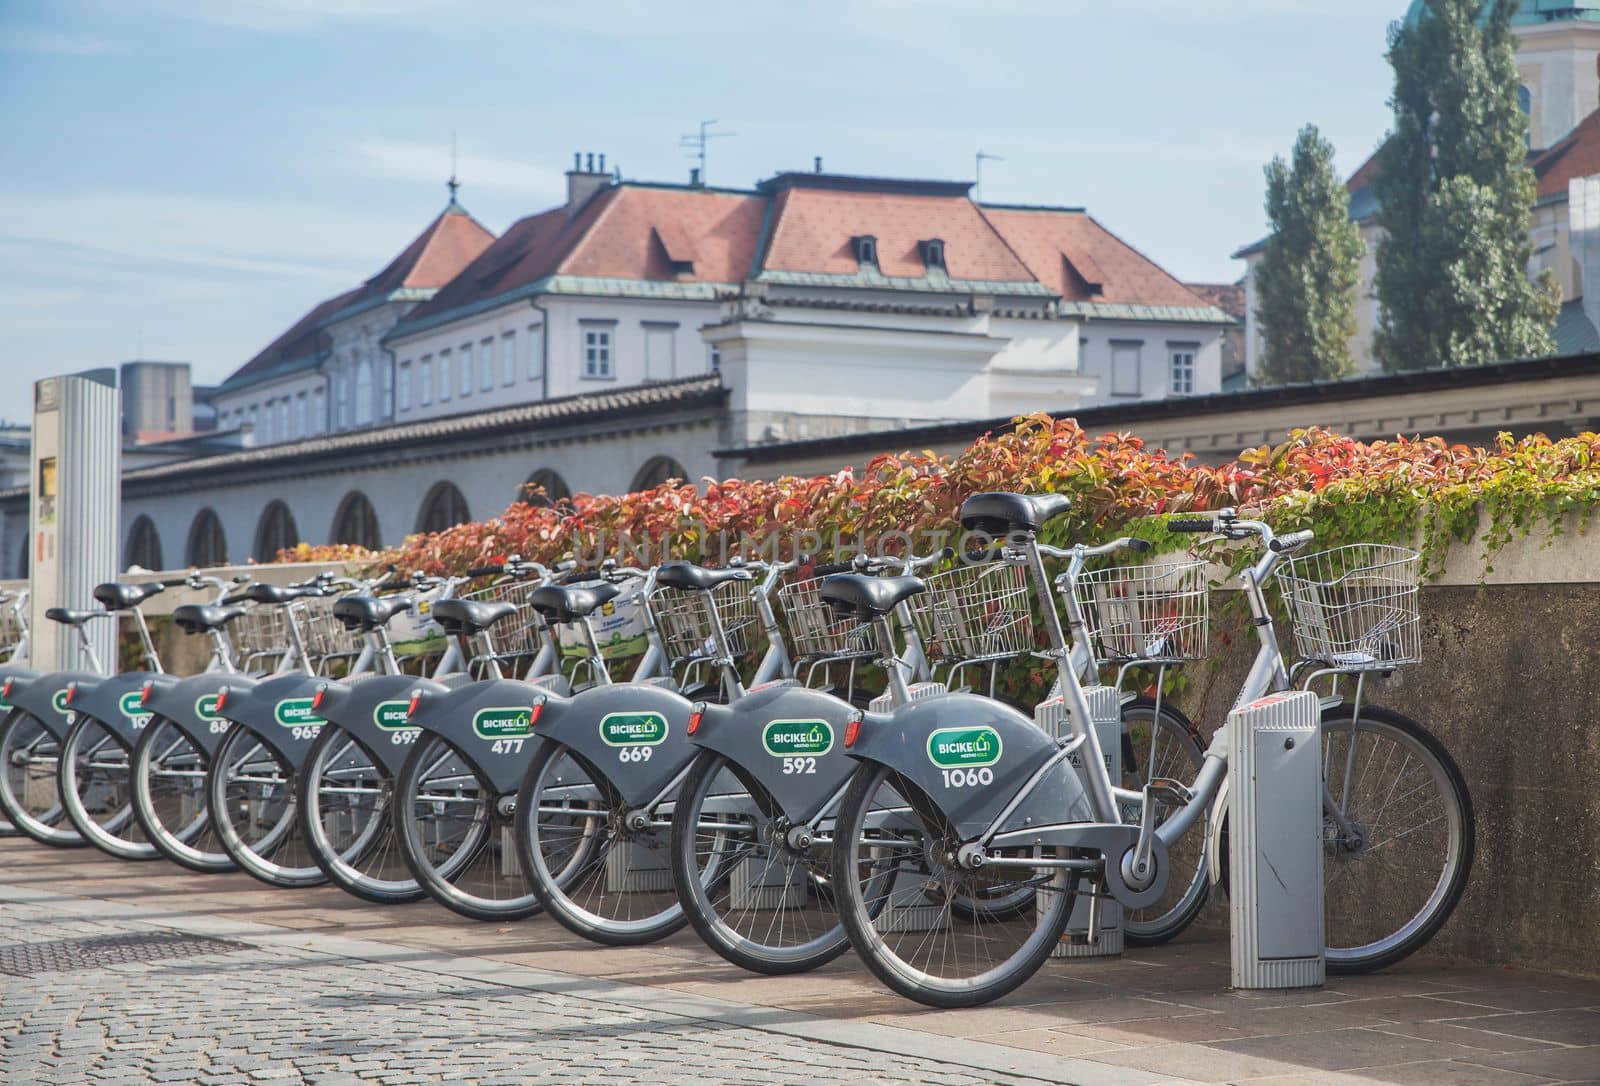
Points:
x=635 y=754
x=967 y=778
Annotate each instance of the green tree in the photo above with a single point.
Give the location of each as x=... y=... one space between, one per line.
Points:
x=1306 y=279
x=1455 y=195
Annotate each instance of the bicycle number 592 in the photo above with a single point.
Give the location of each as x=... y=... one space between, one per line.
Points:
x=966 y=778
x=799 y=765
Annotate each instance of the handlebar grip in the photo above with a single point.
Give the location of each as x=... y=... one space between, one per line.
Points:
x=175 y=582
x=1189 y=524
x=485 y=571
x=1139 y=546
x=828 y=569
x=236 y=598
x=1292 y=540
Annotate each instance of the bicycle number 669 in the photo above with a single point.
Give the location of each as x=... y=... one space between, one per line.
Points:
x=635 y=754
x=966 y=778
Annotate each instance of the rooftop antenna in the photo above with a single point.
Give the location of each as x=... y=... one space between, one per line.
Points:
x=977 y=173
x=452 y=184
x=695 y=143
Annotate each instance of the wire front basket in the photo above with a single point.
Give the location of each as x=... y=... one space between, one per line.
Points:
x=1159 y=611
x=521 y=634
x=684 y=619
x=260 y=637
x=325 y=637
x=973 y=613
x=816 y=632
x=1355 y=607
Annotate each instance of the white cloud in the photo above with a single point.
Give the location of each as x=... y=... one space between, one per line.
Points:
x=431 y=163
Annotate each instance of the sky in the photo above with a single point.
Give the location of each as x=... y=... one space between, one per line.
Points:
x=182 y=179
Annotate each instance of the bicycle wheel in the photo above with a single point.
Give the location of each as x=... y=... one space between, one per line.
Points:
x=346 y=812
x=1166 y=746
x=455 y=834
x=599 y=866
x=908 y=908
x=758 y=895
x=1397 y=841
x=29 y=791
x=169 y=798
x=250 y=794
x=95 y=785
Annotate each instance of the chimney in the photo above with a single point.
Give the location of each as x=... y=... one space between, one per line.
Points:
x=816 y=164
x=584 y=179
x=694 y=177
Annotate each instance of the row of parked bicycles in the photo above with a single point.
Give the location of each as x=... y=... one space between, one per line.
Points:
x=803 y=759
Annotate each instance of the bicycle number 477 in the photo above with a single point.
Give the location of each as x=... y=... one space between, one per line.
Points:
x=508 y=746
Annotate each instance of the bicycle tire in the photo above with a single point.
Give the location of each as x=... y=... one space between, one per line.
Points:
x=440 y=873
x=710 y=897
x=347 y=864
x=600 y=866
x=1141 y=928
x=1459 y=830
x=856 y=908
x=84 y=767
x=248 y=776
x=29 y=754
x=175 y=818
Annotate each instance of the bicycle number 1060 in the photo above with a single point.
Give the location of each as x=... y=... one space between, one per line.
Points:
x=966 y=778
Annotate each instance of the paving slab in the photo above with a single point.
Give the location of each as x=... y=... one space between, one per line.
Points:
x=1160 y=1015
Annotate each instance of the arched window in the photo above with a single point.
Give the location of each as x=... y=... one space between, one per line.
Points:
x=555 y=487
x=444 y=507
x=1525 y=99
x=275 y=532
x=207 y=545
x=657 y=470
x=356 y=522
x=144 y=545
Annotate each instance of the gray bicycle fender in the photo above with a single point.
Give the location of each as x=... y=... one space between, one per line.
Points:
x=277 y=711
x=375 y=711
x=491 y=722
x=117 y=703
x=190 y=705
x=942 y=744
x=44 y=697
x=604 y=723
x=784 y=727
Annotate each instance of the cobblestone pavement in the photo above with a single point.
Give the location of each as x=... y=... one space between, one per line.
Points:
x=233 y=1013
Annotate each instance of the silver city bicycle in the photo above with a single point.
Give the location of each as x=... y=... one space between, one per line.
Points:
x=980 y=802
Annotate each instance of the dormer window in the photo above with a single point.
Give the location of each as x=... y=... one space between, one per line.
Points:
x=866 y=248
x=932 y=253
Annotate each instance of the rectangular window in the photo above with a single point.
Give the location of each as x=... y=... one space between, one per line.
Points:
x=1125 y=367
x=596 y=351
x=486 y=365
x=716 y=359
x=446 y=375
x=402 y=388
x=307 y=426
x=464 y=364
x=659 y=351
x=508 y=359
x=535 y=353
x=425 y=381
x=1182 y=368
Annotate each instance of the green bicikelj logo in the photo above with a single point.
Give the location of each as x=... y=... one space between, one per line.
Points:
x=506 y=722
x=393 y=716
x=132 y=706
x=792 y=738
x=296 y=713
x=633 y=729
x=950 y=748
x=58 y=702
x=205 y=707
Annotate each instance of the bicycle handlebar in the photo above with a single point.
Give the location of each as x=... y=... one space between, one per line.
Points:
x=1226 y=523
x=1189 y=524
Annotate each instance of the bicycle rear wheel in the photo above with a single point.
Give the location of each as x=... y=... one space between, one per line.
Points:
x=1398 y=838
x=909 y=908
x=250 y=793
x=600 y=867
x=169 y=798
x=346 y=811
x=1165 y=746
x=95 y=783
x=455 y=833
x=759 y=896
x=30 y=793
